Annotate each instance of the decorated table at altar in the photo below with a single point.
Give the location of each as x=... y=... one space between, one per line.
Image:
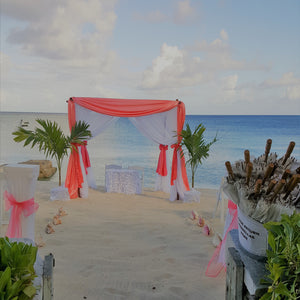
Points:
x=126 y=181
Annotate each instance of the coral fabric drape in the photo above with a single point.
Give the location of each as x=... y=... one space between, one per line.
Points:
x=121 y=108
x=177 y=148
x=162 y=161
x=85 y=156
x=26 y=208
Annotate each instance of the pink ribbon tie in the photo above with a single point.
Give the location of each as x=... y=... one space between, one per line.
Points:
x=26 y=208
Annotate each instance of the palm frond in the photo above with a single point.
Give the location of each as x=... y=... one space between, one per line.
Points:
x=194 y=146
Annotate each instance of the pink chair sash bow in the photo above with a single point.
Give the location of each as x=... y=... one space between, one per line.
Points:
x=162 y=161
x=85 y=156
x=26 y=208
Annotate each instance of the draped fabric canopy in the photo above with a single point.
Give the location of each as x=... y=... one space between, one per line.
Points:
x=159 y=120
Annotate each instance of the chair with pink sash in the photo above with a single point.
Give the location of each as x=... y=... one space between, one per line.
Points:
x=19 y=199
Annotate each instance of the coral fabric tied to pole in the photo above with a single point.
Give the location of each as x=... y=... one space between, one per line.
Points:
x=218 y=261
x=74 y=178
x=26 y=208
x=85 y=156
x=162 y=161
x=174 y=163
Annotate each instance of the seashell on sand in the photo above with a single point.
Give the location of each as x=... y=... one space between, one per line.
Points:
x=56 y=220
x=39 y=242
x=206 y=230
x=61 y=212
x=194 y=215
x=49 y=228
x=217 y=239
x=201 y=222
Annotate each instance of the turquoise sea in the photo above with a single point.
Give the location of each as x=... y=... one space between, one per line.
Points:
x=123 y=144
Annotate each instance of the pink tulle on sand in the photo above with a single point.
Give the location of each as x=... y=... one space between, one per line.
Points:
x=218 y=261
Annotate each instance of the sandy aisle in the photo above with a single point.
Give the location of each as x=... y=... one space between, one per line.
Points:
x=115 y=246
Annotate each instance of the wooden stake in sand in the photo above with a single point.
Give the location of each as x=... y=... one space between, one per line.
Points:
x=271 y=186
x=292 y=184
x=278 y=188
x=268 y=172
x=286 y=174
x=229 y=169
x=247 y=156
x=288 y=151
x=249 y=172
x=268 y=148
x=257 y=187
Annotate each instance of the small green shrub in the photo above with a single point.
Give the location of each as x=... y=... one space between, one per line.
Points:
x=283 y=259
x=16 y=270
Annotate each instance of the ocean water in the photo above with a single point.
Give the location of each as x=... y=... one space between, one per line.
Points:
x=123 y=144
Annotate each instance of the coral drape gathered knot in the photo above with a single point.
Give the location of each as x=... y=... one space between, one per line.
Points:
x=162 y=161
x=26 y=208
x=74 y=178
x=85 y=156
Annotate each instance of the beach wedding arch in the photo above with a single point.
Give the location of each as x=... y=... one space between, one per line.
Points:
x=156 y=119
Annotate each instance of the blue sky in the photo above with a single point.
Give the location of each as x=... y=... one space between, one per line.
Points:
x=218 y=57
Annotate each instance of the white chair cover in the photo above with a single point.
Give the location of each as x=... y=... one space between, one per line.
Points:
x=21 y=183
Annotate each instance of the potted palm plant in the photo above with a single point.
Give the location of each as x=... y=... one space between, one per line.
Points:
x=52 y=141
x=196 y=148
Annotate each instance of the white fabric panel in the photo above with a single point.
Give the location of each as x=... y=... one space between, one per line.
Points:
x=160 y=128
x=21 y=183
x=162 y=183
x=98 y=122
x=178 y=186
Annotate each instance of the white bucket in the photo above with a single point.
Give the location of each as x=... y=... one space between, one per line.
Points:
x=252 y=235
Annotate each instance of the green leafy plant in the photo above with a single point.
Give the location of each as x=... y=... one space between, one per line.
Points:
x=283 y=259
x=51 y=140
x=196 y=147
x=17 y=270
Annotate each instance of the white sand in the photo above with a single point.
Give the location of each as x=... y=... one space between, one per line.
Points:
x=115 y=246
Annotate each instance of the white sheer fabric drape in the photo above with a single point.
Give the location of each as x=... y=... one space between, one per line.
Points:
x=97 y=125
x=160 y=128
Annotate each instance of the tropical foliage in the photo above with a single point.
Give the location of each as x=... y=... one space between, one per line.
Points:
x=16 y=270
x=51 y=140
x=196 y=148
x=283 y=259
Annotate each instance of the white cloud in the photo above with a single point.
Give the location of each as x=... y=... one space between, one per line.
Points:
x=288 y=82
x=152 y=17
x=173 y=68
x=62 y=30
x=183 y=12
x=293 y=93
x=224 y=35
x=229 y=83
x=286 y=79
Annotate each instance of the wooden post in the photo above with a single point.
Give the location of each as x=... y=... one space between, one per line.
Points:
x=234 y=275
x=48 y=277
